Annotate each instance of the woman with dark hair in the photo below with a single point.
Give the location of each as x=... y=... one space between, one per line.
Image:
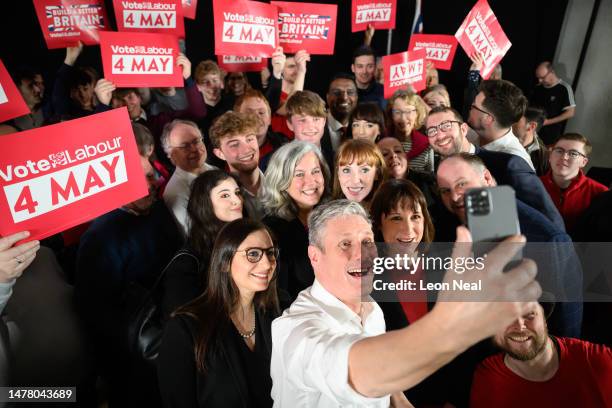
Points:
x=367 y=121
x=215 y=200
x=216 y=350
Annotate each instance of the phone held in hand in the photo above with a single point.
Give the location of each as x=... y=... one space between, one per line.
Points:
x=491 y=217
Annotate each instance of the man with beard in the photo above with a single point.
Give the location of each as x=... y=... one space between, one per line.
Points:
x=539 y=370
x=447 y=135
x=234 y=139
x=184 y=145
x=498 y=105
x=341 y=99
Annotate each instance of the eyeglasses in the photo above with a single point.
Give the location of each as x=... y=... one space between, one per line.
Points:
x=573 y=154
x=480 y=110
x=255 y=254
x=400 y=113
x=445 y=126
x=194 y=143
x=339 y=92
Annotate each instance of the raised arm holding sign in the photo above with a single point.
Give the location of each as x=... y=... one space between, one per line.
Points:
x=481 y=32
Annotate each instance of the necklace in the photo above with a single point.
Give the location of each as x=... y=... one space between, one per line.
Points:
x=250 y=333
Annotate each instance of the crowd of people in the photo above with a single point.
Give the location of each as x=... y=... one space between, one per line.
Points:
x=253 y=239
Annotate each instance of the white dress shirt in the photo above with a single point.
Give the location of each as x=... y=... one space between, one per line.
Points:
x=509 y=143
x=176 y=194
x=310 y=351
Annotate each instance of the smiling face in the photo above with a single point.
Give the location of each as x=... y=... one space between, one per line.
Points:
x=236 y=83
x=307 y=128
x=395 y=157
x=404 y=116
x=403 y=225
x=338 y=265
x=356 y=180
x=240 y=151
x=211 y=87
x=455 y=177
x=562 y=165
x=362 y=129
x=252 y=277
x=307 y=185
x=342 y=98
x=526 y=338
x=259 y=108
x=447 y=142
x=226 y=199
x=187 y=150
x=290 y=70
x=364 y=69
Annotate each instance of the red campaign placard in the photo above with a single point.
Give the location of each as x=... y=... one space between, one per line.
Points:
x=66 y=22
x=232 y=63
x=62 y=175
x=245 y=28
x=306 y=26
x=440 y=48
x=480 y=31
x=381 y=14
x=150 y=16
x=140 y=59
x=189 y=8
x=402 y=69
x=12 y=104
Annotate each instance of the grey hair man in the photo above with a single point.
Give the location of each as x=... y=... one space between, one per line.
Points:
x=183 y=143
x=330 y=347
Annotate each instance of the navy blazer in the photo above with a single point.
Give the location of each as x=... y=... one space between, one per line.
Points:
x=512 y=170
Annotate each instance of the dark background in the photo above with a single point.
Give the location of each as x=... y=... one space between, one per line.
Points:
x=532 y=26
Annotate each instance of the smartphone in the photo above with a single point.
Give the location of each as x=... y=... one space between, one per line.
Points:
x=491 y=217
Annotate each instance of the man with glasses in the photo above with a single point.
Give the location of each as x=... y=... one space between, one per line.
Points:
x=184 y=145
x=498 y=105
x=570 y=190
x=557 y=99
x=341 y=99
x=447 y=134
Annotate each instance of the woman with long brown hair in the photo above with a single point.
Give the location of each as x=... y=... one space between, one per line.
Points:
x=216 y=350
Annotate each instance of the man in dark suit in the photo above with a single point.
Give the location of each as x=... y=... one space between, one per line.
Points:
x=447 y=134
x=559 y=270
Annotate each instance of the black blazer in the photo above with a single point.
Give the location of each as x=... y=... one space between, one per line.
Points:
x=225 y=384
x=294 y=269
x=512 y=170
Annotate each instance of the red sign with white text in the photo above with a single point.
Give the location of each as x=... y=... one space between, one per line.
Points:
x=12 y=104
x=440 y=48
x=232 y=63
x=480 y=31
x=403 y=69
x=140 y=60
x=63 y=175
x=245 y=28
x=306 y=26
x=380 y=14
x=66 y=22
x=189 y=8
x=150 y=16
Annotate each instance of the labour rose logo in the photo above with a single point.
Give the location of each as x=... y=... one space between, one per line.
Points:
x=58 y=159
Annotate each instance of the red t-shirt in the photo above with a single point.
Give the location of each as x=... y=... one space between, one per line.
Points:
x=278 y=123
x=584 y=379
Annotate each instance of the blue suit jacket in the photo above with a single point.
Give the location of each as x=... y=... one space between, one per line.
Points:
x=512 y=170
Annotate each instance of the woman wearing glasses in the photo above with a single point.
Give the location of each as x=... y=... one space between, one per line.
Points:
x=406 y=113
x=216 y=350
